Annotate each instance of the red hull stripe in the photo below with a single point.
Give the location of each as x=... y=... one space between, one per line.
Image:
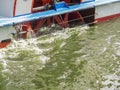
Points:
x=107 y=18
x=14 y=9
x=4 y=44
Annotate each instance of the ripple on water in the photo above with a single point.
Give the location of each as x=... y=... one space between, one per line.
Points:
x=83 y=58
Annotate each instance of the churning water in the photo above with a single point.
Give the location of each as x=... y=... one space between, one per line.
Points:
x=82 y=58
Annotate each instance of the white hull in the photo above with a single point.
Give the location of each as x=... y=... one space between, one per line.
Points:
x=107 y=11
x=6 y=32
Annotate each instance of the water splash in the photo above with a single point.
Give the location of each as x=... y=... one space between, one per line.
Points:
x=81 y=58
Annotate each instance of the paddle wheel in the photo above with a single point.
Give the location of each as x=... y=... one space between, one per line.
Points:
x=44 y=16
x=62 y=20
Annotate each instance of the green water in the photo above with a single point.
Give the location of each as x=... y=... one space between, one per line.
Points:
x=81 y=58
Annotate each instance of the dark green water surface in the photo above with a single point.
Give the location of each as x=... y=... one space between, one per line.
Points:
x=81 y=58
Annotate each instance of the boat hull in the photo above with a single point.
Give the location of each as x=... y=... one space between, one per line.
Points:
x=107 y=11
x=90 y=13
